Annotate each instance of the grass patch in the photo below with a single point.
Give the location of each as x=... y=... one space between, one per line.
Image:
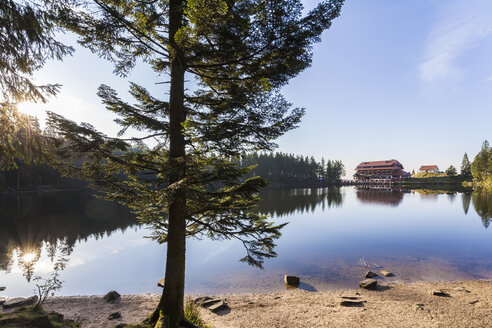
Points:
x=192 y=314
x=433 y=180
x=29 y=317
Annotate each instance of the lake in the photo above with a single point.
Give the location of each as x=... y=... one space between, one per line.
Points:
x=417 y=234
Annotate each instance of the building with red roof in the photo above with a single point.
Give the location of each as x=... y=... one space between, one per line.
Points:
x=429 y=168
x=380 y=172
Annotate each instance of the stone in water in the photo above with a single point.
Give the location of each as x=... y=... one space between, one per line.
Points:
x=292 y=280
x=370 y=274
x=386 y=273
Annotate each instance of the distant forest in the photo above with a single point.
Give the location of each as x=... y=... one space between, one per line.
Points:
x=287 y=170
x=32 y=176
x=279 y=169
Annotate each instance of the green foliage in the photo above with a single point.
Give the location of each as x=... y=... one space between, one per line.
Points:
x=466 y=167
x=451 y=171
x=192 y=314
x=334 y=171
x=480 y=168
x=27 y=41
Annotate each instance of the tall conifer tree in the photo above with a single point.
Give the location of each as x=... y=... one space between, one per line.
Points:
x=479 y=167
x=240 y=53
x=466 y=167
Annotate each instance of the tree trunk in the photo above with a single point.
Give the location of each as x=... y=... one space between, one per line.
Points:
x=170 y=311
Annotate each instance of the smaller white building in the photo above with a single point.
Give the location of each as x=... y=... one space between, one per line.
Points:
x=429 y=168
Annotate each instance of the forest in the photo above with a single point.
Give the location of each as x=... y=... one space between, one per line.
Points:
x=288 y=170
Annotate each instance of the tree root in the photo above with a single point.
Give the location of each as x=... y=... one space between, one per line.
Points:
x=159 y=320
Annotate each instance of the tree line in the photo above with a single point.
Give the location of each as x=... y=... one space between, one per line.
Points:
x=480 y=169
x=287 y=170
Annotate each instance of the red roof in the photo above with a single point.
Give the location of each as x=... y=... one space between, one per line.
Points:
x=379 y=164
x=428 y=167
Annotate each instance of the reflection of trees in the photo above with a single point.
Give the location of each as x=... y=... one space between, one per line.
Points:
x=392 y=197
x=280 y=202
x=482 y=202
x=465 y=199
x=56 y=221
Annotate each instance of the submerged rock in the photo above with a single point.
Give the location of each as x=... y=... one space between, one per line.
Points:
x=368 y=284
x=19 y=301
x=370 y=274
x=2 y=289
x=292 y=280
x=111 y=296
x=386 y=273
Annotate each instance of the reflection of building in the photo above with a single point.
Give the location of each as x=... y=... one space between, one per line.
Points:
x=429 y=168
x=388 y=196
x=380 y=172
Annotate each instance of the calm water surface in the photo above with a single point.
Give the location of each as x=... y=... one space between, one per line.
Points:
x=418 y=235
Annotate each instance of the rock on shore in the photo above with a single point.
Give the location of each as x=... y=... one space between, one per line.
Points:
x=402 y=305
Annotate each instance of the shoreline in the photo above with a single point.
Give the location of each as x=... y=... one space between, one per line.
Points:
x=393 y=304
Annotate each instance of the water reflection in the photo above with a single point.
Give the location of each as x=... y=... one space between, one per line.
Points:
x=318 y=243
x=53 y=222
x=465 y=200
x=482 y=202
x=283 y=202
x=381 y=195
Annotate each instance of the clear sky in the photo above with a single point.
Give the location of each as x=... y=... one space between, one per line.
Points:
x=409 y=80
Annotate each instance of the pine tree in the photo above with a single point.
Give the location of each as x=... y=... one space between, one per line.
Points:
x=479 y=167
x=451 y=171
x=241 y=53
x=27 y=41
x=490 y=168
x=466 y=167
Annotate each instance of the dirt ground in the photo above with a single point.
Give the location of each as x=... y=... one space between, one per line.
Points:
x=469 y=304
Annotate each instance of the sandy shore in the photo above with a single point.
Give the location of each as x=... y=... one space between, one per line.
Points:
x=393 y=305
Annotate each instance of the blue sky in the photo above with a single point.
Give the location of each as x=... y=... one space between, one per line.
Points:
x=410 y=80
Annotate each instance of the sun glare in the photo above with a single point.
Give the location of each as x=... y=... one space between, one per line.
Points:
x=28 y=257
x=31 y=109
